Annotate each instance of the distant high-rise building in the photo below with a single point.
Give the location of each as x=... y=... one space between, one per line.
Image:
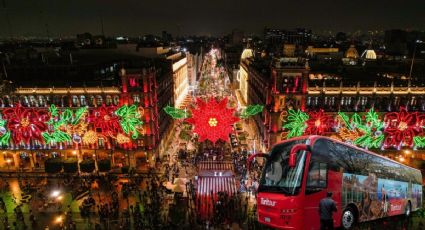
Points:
x=299 y=36
x=166 y=37
x=237 y=36
x=396 y=42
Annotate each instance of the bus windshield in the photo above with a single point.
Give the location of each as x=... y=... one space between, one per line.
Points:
x=278 y=176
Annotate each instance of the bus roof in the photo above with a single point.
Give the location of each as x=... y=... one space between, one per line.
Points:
x=313 y=138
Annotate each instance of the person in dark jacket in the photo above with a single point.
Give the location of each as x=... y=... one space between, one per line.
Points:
x=326 y=208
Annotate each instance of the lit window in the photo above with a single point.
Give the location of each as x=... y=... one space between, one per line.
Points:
x=116 y=100
x=136 y=98
x=83 y=100
x=99 y=100
x=108 y=100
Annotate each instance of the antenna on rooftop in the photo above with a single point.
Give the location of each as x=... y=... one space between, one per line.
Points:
x=101 y=24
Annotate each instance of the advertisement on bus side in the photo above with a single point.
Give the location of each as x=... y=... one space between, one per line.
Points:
x=377 y=198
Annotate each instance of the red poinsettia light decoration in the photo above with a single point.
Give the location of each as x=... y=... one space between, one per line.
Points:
x=26 y=124
x=318 y=123
x=105 y=120
x=401 y=127
x=212 y=120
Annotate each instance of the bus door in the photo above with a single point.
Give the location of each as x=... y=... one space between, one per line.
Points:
x=316 y=187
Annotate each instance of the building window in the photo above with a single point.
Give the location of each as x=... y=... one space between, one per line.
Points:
x=6 y=101
x=83 y=100
x=136 y=98
x=57 y=100
x=108 y=100
x=91 y=101
x=116 y=100
x=140 y=143
x=133 y=82
x=75 y=101
x=99 y=100
x=101 y=142
x=41 y=101
x=24 y=101
x=33 y=101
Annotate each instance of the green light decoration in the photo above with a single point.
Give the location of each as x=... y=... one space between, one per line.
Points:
x=79 y=114
x=370 y=129
x=251 y=110
x=175 y=113
x=130 y=120
x=5 y=134
x=56 y=121
x=373 y=135
x=60 y=120
x=419 y=141
x=296 y=123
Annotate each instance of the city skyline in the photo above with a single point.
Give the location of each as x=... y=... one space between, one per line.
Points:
x=134 y=18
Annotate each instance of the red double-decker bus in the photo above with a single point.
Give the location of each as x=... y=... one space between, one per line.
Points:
x=299 y=172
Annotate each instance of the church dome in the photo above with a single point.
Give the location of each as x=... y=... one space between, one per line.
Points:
x=352 y=52
x=247 y=53
x=369 y=54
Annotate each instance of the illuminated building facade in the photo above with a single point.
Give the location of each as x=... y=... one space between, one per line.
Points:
x=180 y=79
x=304 y=98
x=111 y=110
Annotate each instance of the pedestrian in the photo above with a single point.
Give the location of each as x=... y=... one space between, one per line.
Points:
x=326 y=208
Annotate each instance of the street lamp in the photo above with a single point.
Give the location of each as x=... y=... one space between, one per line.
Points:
x=55 y=193
x=59 y=219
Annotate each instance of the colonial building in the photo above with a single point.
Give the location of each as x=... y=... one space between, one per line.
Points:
x=327 y=89
x=111 y=106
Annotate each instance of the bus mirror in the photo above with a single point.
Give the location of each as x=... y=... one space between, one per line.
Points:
x=294 y=151
x=250 y=158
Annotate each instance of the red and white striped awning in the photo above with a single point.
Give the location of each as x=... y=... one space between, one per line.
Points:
x=216 y=184
x=215 y=165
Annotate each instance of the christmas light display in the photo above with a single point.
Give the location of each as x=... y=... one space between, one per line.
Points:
x=130 y=120
x=65 y=126
x=318 y=123
x=122 y=139
x=395 y=129
x=90 y=137
x=26 y=124
x=365 y=132
x=296 y=123
x=175 y=113
x=401 y=128
x=372 y=131
x=251 y=110
x=106 y=121
x=419 y=141
x=4 y=133
x=212 y=120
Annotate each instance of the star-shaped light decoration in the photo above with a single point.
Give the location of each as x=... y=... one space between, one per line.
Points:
x=212 y=120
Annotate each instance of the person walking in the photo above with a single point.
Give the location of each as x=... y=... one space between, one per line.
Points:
x=326 y=208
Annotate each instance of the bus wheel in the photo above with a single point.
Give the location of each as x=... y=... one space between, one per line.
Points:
x=348 y=218
x=408 y=209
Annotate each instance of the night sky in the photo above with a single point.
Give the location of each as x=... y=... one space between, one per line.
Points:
x=205 y=17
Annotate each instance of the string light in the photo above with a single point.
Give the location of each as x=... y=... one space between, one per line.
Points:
x=90 y=137
x=122 y=139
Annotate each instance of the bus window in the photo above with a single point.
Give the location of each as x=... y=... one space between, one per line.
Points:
x=317 y=177
x=278 y=176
